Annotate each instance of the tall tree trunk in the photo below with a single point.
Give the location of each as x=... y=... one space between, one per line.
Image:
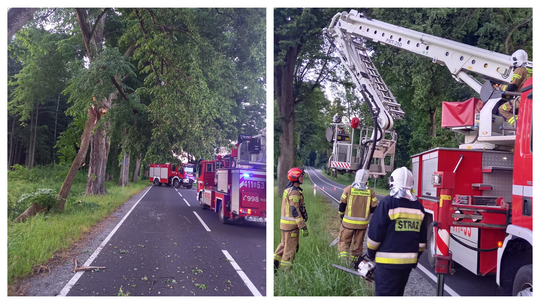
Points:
x=124 y=171
x=55 y=123
x=11 y=143
x=283 y=81
x=81 y=155
x=33 y=151
x=29 y=145
x=433 y=122
x=137 y=169
x=98 y=163
x=17 y=18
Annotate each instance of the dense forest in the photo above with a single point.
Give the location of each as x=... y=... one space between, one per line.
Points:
x=88 y=88
x=310 y=86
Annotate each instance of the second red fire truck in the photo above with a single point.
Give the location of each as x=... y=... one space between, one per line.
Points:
x=234 y=186
x=172 y=175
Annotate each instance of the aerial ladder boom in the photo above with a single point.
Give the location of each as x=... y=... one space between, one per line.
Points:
x=348 y=31
x=456 y=56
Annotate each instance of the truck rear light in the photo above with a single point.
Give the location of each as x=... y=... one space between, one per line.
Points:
x=245 y=210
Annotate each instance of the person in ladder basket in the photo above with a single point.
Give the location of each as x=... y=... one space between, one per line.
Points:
x=357 y=202
x=293 y=220
x=397 y=235
x=522 y=72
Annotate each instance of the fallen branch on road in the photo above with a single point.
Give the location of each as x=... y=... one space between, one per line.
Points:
x=85 y=268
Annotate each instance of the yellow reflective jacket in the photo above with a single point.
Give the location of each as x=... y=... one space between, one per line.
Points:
x=519 y=77
x=291 y=217
x=358 y=205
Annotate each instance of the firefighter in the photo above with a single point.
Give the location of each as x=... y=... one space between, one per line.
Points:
x=293 y=220
x=357 y=202
x=397 y=235
x=522 y=72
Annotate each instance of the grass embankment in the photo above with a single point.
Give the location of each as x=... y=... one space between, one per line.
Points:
x=34 y=242
x=312 y=273
x=348 y=179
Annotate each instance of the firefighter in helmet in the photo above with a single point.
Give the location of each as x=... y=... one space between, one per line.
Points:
x=357 y=202
x=522 y=72
x=397 y=235
x=293 y=220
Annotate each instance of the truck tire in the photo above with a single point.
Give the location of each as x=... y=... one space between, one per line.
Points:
x=523 y=282
x=189 y=186
x=156 y=182
x=176 y=183
x=222 y=218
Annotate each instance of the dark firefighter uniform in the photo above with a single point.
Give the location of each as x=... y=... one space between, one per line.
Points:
x=397 y=237
x=354 y=208
x=293 y=216
x=519 y=77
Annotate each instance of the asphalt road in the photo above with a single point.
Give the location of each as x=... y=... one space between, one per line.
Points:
x=167 y=245
x=462 y=283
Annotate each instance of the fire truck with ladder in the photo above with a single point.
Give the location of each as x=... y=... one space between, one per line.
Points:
x=478 y=197
x=234 y=186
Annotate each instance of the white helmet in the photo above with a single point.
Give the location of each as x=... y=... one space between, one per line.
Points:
x=519 y=58
x=401 y=183
x=360 y=179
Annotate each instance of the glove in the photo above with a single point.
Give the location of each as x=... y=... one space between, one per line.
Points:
x=305 y=232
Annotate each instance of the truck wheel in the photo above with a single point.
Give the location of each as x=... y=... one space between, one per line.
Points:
x=189 y=186
x=431 y=250
x=176 y=183
x=523 y=282
x=156 y=182
x=222 y=219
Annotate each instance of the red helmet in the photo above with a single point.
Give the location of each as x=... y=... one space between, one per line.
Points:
x=294 y=174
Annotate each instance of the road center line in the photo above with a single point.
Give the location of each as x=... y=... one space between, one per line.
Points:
x=187 y=202
x=94 y=255
x=200 y=220
x=316 y=174
x=242 y=274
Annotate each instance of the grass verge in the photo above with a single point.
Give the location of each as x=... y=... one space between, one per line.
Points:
x=312 y=273
x=34 y=242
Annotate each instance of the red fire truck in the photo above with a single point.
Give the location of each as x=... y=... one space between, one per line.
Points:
x=234 y=186
x=478 y=197
x=189 y=173
x=169 y=175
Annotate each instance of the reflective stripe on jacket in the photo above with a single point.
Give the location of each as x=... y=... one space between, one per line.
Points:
x=359 y=203
x=291 y=217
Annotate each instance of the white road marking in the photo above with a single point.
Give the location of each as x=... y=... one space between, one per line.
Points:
x=337 y=201
x=241 y=273
x=317 y=175
x=200 y=220
x=187 y=202
x=78 y=275
x=434 y=278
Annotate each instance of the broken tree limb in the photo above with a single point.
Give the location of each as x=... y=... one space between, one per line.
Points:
x=85 y=268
